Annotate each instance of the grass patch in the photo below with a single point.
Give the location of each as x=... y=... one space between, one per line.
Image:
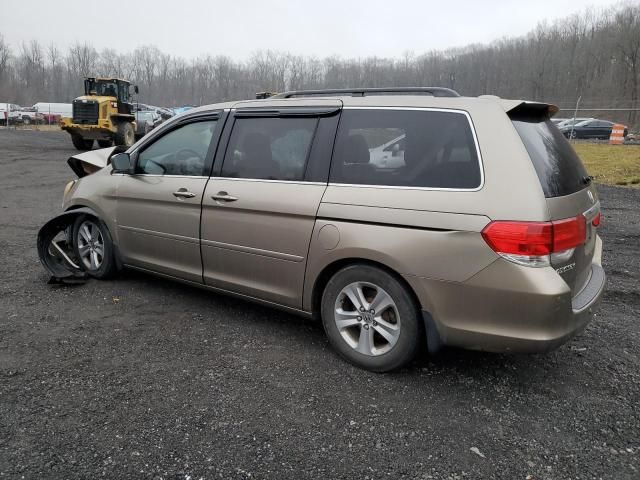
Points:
x=611 y=164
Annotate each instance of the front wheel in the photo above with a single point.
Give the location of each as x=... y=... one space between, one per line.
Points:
x=93 y=247
x=81 y=143
x=370 y=318
x=125 y=134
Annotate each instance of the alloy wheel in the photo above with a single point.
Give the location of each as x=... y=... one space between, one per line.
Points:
x=90 y=245
x=367 y=318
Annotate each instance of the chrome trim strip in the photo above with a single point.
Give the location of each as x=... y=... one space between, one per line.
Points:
x=201 y=177
x=236 y=179
x=428 y=109
x=357 y=185
x=253 y=251
x=153 y=233
x=300 y=182
x=592 y=212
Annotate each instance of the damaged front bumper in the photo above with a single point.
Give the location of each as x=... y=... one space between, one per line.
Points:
x=55 y=244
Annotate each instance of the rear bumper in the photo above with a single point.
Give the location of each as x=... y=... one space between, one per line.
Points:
x=508 y=308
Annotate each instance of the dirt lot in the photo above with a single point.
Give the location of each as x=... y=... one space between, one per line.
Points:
x=143 y=378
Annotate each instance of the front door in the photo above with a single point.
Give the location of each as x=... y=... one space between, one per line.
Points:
x=259 y=212
x=158 y=207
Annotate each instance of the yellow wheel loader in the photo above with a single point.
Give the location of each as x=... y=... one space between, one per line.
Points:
x=104 y=113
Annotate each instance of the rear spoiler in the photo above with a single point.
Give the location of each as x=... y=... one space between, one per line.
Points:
x=524 y=108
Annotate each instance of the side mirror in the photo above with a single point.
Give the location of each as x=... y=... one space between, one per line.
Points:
x=121 y=163
x=395 y=150
x=135 y=89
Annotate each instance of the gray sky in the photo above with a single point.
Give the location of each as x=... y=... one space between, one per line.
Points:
x=237 y=28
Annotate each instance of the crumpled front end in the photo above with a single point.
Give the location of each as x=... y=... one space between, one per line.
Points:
x=55 y=248
x=86 y=163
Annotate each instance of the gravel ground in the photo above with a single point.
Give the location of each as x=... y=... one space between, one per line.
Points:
x=144 y=378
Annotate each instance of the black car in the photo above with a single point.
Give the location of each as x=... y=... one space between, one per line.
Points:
x=592 y=129
x=146 y=121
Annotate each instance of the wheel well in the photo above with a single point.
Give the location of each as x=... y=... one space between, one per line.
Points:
x=92 y=213
x=332 y=268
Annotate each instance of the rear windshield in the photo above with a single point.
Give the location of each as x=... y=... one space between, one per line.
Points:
x=558 y=166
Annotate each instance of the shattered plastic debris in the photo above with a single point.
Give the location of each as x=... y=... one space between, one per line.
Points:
x=477 y=452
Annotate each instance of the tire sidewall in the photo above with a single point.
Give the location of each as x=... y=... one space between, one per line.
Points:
x=129 y=135
x=107 y=268
x=410 y=328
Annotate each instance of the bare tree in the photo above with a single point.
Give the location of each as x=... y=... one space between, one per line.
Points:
x=628 y=46
x=595 y=55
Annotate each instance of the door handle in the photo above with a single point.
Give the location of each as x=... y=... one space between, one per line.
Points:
x=223 y=197
x=183 y=194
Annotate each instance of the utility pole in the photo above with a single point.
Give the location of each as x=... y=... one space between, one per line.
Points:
x=575 y=114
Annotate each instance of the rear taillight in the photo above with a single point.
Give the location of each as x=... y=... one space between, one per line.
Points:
x=596 y=220
x=531 y=243
x=569 y=233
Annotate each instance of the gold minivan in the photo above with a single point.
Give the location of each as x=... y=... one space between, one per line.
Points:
x=403 y=218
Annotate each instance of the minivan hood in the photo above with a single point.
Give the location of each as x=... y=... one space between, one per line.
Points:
x=86 y=163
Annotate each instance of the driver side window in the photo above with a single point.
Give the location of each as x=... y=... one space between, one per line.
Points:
x=179 y=152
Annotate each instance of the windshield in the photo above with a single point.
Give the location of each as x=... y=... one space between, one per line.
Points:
x=568 y=123
x=103 y=88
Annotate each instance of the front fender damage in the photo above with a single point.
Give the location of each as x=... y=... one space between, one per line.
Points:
x=55 y=248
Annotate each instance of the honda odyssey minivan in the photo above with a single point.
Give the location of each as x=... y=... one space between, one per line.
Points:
x=402 y=218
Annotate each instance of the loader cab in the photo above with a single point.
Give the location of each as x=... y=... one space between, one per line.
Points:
x=111 y=87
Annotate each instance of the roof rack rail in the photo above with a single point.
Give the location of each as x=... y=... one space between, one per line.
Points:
x=361 y=92
x=263 y=95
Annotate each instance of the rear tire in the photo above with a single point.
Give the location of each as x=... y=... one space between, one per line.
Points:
x=105 y=143
x=81 y=143
x=380 y=330
x=125 y=134
x=93 y=247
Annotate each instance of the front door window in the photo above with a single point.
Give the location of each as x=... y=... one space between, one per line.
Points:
x=180 y=152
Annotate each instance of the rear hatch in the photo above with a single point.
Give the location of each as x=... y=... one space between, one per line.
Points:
x=567 y=187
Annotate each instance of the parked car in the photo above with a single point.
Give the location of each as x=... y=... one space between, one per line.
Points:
x=591 y=129
x=10 y=112
x=29 y=115
x=165 y=113
x=53 y=112
x=572 y=121
x=558 y=120
x=484 y=236
x=184 y=108
x=146 y=121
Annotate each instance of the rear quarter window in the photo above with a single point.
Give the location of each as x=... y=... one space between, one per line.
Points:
x=408 y=148
x=558 y=166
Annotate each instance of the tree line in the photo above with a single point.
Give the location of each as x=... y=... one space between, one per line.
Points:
x=593 y=55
